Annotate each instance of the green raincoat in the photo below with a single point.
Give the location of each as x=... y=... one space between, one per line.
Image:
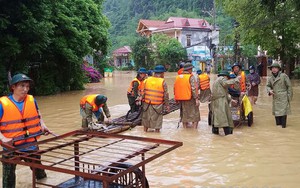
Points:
x=283 y=94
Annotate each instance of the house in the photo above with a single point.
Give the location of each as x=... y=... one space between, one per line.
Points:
x=196 y=35
x=122 y=56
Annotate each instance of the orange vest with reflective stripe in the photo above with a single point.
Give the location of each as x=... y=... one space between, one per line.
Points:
x=154 y=90
x=204 y=81
x=182 y=87
x=19 y=125
x=140 y=87
x=242 y=81
x=90 y=99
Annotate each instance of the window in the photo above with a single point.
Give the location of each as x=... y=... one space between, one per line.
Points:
x=188 y=40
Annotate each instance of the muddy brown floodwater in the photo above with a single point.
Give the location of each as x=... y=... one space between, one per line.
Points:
x=261 y=156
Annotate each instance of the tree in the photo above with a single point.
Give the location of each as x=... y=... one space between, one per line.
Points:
x=167 y=51
x=272 y=24
x=142 y=54
x=48 y=39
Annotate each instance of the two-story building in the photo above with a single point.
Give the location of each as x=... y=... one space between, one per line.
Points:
x=196 y=35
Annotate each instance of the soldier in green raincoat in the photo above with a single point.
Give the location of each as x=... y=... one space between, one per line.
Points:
x=280 y=88
x=220 y=100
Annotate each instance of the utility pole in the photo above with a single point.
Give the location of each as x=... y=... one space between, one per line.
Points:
x=212 y=51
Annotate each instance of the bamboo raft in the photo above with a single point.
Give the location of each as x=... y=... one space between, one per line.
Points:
x=131 y=120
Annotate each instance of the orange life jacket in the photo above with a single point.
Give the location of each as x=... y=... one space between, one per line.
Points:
x=182 y=87
x=90 y=99
x=204 y=81
x=140 y=87
x=154 y=90
x=180 y=71
x=20 y=125
x=242 y=81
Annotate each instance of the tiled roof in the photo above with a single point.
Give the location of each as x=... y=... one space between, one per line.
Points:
x=122 y=50
x=174 y=22
x=152 y=23
x=185 y=22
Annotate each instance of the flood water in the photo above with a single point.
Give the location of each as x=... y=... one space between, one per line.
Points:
x=261 y=156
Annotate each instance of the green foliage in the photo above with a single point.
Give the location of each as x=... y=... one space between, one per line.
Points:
x=296 y=73
x=167 y=51
x=270 y=24
x=4 y=83
x=55 y=35
x=161 y=50
x=142 y=53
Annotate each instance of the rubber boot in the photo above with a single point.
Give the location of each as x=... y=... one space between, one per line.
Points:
x=283 y=121
x=215 y=130
x=227 y=130
x=278 y=120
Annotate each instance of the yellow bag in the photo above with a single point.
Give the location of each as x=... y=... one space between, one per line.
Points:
x=247 y=105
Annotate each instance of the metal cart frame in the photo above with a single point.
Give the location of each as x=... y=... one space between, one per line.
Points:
x=94 y=156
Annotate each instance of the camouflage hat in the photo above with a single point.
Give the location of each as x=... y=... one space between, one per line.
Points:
x=188 y=66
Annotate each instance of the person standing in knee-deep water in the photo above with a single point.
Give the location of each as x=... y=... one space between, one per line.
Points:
x=155 y=99
x=220 y=100
x=186 y=93
x=280 y=88
x=134 y=92
x=21 y=123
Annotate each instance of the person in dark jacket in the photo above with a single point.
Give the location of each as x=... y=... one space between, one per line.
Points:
x=254 y=80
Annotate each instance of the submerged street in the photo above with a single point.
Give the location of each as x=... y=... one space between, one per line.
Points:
x=261 y=156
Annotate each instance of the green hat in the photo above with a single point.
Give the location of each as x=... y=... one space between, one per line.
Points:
x=19 y=78
x=223 y=73
x=275 y=65
x=100 y=99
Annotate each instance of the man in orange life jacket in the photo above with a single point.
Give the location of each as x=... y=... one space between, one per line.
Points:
x=186 y=92
x=93 y=104
x=20 y=123
x=204 y=86
x=134 y=91
x=155 y=98
x=237 y=70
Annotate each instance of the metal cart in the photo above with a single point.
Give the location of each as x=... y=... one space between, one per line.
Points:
x=92 y=159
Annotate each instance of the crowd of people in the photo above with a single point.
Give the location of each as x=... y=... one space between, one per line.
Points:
x=21 y=121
